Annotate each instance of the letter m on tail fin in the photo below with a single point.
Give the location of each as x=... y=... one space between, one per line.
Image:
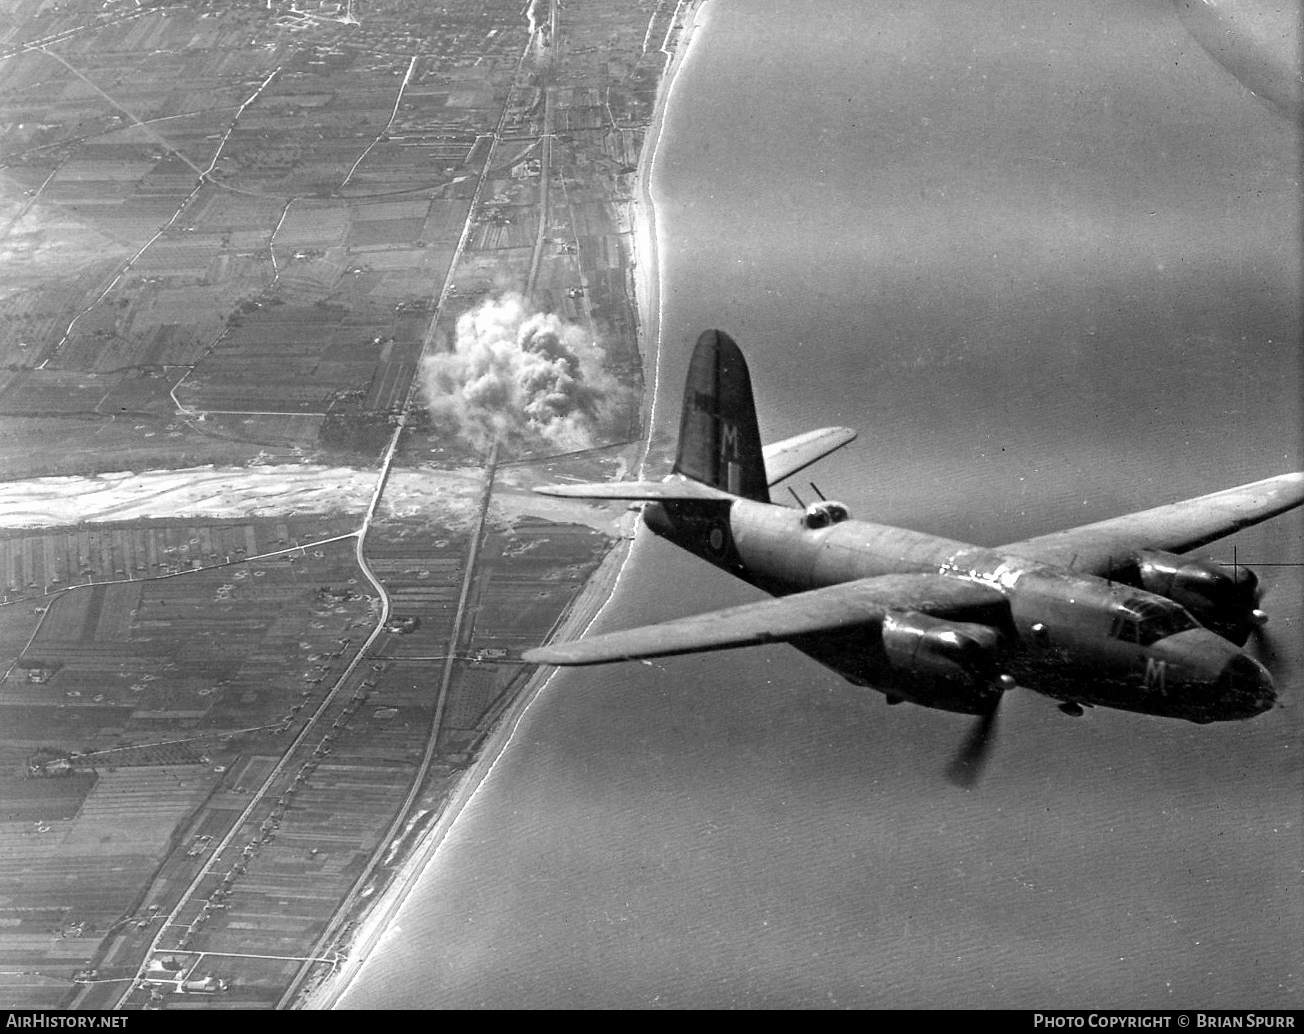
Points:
x=719 y=443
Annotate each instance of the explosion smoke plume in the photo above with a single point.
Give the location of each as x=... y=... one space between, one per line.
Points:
x=524 y=378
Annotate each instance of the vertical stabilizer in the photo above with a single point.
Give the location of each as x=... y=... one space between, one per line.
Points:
x=719 y=443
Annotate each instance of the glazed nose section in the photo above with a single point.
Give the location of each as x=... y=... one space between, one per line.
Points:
x=1245 y=687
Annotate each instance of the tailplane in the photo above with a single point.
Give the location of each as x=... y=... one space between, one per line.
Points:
x=719 y=441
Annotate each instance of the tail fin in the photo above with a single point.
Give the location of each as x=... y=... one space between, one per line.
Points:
x=719 y=443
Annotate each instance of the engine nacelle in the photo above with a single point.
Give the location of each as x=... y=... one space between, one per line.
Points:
x=926 y=645
x=1213 y=594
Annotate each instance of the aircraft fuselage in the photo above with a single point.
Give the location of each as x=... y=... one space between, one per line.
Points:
x=1070 y=635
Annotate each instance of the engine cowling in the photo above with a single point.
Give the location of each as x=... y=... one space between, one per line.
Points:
x=926 y=645
x=1213 y=594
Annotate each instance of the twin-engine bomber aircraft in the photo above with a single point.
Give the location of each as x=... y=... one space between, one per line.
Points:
x=1106 y=614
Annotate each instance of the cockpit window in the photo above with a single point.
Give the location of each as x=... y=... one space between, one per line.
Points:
x=824 y=513
x=1146 y=621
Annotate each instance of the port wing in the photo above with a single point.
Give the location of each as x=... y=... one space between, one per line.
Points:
x=785 y=458
x=835 y=607
x=1177 y=527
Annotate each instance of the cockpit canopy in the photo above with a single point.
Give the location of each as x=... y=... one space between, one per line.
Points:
x=1144 y=620
x=824 y=513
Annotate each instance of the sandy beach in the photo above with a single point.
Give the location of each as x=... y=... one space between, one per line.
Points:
x=374 y=925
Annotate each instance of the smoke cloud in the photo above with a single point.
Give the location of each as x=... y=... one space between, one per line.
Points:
x=524 y=378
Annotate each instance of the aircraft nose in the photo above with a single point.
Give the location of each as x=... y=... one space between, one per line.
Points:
x=1244 y=686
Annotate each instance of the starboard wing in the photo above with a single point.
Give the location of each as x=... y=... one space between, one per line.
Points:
x=829 y=609
x=785 y=458
x=1177 y=527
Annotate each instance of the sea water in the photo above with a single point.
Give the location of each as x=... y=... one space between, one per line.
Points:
x=1045 y=256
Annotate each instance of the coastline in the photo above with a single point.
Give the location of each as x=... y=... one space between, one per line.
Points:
x=647 y=231
x=376 y=920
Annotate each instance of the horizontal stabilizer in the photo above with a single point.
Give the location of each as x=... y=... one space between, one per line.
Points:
x=785 y=458
x=672 y=488
x=778 y=620
x=782 y=459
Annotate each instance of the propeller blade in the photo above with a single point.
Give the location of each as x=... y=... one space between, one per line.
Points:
x=1262 y=645
x=967 y=767
x=1261 y=639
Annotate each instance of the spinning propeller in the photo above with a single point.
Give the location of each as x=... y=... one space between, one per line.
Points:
x=1252 y=628
x=1260 y=641
x=967 y=766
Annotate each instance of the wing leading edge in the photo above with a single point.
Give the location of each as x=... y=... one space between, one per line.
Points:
x=779 y=620
x=1177 y=527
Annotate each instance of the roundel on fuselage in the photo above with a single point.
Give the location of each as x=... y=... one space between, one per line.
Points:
x=717 y=538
